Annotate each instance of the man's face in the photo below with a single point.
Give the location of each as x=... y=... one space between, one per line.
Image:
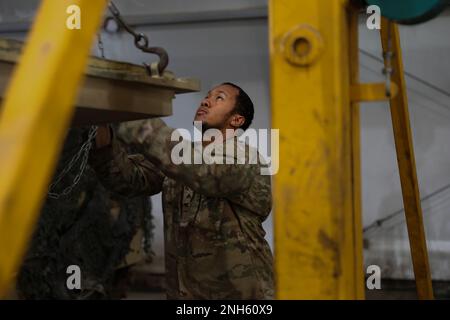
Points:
x=215 y=109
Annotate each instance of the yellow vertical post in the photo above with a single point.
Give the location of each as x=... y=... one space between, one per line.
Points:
x=406 y=164
x=316 y=249
x=356 y=155
x=34 y=118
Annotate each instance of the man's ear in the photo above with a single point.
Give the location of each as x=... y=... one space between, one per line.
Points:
x=237 y=121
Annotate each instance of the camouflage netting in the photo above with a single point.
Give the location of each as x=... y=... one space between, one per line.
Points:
x=90 y=228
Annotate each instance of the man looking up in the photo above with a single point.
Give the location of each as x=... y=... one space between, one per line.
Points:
x=213 y=213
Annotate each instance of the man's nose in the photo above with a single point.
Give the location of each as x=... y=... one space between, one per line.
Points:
x=206 y=103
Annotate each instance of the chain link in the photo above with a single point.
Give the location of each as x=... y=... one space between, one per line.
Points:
x=83 y=153
x=141 y=42
x=118 y=16
x=101 y=47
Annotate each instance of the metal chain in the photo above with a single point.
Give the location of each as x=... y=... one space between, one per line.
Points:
x=101 y=48
x=84 y=154
x=388 y=70
x=141 y=42
x=118 y=16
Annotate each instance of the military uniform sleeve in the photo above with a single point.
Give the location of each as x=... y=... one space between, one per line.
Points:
x=215 y=180
x=127 y=175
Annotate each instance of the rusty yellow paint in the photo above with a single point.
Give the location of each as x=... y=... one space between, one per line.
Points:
x=370 y=92
x=316 y=248
x=407 y=166
x=36 y=112
x=356 y=155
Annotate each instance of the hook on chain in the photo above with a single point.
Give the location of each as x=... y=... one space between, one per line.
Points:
x=141 y=42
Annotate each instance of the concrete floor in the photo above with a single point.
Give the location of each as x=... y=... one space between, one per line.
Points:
x=390 y=290
x=140 y=295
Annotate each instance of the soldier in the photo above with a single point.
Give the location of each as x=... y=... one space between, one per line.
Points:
x=213 y=213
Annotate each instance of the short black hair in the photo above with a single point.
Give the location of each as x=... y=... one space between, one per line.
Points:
x=244 y=106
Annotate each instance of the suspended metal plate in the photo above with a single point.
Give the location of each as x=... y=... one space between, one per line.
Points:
x=409 y=11
x=112 y=91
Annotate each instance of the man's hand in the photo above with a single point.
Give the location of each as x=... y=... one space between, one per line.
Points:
x=137 y=132
x=132 y=132
x=103 y=137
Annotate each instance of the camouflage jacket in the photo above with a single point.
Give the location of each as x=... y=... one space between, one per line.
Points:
x=213 y=215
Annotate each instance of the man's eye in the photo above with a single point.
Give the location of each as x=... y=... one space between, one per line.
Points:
x=219 y=97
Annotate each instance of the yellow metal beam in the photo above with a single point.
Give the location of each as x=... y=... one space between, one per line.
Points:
x=316 y=249
x=35 y=115
x=356 y=154
x=370 y=92
x=407 y=166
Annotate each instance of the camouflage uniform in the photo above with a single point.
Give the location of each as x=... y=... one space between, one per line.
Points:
x=213 y=214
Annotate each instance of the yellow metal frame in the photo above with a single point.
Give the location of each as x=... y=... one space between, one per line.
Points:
x=372 y=92
x=318 y=232
x=317 y=196
x=317 y=244
x=356 y=155
x=35 y=115
x=407 y=165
